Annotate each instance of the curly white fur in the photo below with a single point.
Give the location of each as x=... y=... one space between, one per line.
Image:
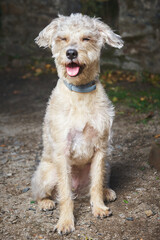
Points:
x=77 y=126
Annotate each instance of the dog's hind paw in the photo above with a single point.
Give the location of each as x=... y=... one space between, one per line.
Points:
x=109 y=195
x=101 y=212
x=46 y=204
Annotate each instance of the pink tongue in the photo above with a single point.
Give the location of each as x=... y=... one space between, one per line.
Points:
x=73 y=71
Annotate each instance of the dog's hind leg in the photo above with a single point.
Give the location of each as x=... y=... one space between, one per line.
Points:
x=108 y=194
x=43 y=184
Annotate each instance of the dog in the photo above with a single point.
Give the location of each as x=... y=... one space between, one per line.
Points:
x=78 y=119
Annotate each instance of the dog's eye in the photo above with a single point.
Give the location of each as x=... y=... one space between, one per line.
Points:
x=64 y=39
x=61 y=38
x=86 y=39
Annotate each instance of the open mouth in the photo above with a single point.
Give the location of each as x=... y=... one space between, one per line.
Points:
x=73 y=69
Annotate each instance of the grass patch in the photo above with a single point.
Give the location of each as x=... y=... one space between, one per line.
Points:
x=144 y=101
x=138 y=91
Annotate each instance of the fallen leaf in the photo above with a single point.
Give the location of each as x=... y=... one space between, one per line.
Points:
x=109 y=75
x=114 y=99
x=48 y=66
x=27 y=75
x=157 y=136
x=133 y=79
x=142 y=98
x=121 y=113
x=109 y=81
x=53 y=70
x=38 y=71
x=16 y=92
x=148 y=213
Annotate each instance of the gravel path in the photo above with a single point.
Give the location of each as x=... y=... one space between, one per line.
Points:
x=136 y=212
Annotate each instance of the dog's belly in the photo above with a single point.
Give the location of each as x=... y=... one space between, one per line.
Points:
x=80 y=176
x=81 y=145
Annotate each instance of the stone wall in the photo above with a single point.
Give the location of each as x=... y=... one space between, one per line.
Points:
x=139 y=24
x=137 y=21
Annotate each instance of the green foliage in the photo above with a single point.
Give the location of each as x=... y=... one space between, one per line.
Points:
x=138 y=91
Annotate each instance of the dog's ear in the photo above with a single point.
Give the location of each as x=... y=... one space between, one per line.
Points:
x=45 y=37
x=108 y=36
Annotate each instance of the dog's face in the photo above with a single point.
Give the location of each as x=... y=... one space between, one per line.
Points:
x=76 y=42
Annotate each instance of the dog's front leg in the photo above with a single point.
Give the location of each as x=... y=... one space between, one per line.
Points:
x=97 y=175
x=65 y=224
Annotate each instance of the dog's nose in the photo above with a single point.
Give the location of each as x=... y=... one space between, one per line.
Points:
x=71 y=54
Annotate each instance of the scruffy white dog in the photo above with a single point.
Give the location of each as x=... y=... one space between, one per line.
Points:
x=78 y=120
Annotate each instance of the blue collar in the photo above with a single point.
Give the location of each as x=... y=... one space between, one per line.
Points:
x=89 y=87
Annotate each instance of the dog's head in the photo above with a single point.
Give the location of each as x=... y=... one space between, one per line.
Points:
x=76 y=42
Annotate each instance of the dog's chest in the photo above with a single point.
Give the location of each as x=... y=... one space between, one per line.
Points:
x=85 y=131
x=81 y=144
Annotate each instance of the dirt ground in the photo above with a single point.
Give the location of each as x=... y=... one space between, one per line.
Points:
x=22 y=108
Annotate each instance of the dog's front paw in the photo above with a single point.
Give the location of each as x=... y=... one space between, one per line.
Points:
x=46 y=204
x=109 y=195
x=101 y=212
x=65 y=226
